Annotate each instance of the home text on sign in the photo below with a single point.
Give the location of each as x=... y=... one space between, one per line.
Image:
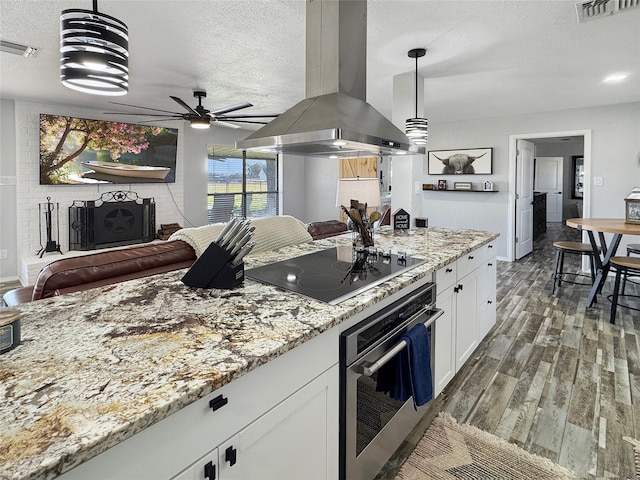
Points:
x=401 y=220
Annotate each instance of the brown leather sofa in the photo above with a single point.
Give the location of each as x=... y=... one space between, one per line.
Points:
x=108 y=267
x=104 y=268
x=327 y=228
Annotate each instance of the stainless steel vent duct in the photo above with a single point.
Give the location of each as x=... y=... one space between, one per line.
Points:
x=334 y=119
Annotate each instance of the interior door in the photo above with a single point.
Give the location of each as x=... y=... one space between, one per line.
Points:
x=548 y=175
x=524 y=198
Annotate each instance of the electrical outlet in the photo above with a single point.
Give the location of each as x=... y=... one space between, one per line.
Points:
x=597 y=180
x=3 y=254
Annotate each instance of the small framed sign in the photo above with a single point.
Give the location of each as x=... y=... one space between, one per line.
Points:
x=462 y=185
x=401 y=220
x=488 y=186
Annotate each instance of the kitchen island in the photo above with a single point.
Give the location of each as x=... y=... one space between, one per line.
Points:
x=105 y=367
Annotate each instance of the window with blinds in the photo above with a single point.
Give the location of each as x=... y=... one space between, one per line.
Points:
x=241 y=184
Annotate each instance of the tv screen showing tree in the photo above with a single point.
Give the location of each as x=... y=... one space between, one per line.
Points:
x=76 y=151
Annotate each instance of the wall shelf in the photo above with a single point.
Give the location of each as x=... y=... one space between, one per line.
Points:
x=452 y=190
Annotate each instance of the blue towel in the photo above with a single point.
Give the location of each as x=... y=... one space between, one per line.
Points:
x=415 y=364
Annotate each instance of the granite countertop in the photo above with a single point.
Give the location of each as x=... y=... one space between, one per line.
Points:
x=96 y=367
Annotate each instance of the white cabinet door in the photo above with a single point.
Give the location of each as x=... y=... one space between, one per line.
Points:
x=486 y=315
x=444 y=367
x=486 y=297
x=288 y=442
x=466 y=318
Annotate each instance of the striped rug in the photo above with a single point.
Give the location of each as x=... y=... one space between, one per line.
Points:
x=452 y=451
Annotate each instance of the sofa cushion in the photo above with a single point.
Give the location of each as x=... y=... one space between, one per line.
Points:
x=106 y=268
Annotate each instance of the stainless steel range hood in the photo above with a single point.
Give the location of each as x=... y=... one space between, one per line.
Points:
x=334 y=119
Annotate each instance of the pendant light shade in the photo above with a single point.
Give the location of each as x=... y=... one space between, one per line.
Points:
x=417 y=128
x=94 y=52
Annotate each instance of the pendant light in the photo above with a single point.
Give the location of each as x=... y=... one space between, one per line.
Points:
x=416 y=128
x=94 y=52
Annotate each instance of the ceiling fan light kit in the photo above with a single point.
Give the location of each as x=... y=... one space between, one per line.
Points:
x=417 y=128
x=94 y=52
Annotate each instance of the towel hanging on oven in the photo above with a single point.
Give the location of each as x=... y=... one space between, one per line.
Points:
x=409 y=373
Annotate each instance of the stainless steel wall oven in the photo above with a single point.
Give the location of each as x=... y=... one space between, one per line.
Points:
x=372 y=423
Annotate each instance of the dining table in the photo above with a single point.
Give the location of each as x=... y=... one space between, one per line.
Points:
x=616 y=226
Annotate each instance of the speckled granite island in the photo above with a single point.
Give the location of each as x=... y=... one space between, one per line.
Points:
x=113 y=366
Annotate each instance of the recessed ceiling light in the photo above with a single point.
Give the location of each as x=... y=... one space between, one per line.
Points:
x=615 y=78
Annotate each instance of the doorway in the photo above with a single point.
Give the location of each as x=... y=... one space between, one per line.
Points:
x=516 y=180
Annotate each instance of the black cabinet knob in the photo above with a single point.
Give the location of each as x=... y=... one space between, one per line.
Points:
x=449 y=270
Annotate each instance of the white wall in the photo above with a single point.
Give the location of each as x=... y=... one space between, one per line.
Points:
x=8 y=220
x=615 y=157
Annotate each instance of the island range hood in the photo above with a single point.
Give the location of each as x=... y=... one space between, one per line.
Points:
x=334 y=119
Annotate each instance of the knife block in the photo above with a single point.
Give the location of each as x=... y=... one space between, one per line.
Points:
x=213 y=269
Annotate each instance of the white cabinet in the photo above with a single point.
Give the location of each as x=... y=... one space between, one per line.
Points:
x=444 y=364
x=466 y=293
x=486 y=275
x=466 y=319
x=291 y=441
x=287 y=443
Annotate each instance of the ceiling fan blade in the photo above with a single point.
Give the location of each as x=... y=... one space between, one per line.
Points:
x=222 y=123
x=184 y=105
x=252 y=116
x=146 y=108
x=224 y=119
x=232 y=108
x=177 y=115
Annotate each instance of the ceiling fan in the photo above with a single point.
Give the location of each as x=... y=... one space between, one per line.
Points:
x=200 y=117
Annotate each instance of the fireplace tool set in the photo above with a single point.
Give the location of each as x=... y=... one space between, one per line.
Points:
x=51 y=245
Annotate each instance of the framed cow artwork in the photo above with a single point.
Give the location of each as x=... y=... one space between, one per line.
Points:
x=465 y=161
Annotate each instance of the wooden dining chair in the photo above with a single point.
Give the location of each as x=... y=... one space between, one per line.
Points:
x=575 y=248
x=624 y=266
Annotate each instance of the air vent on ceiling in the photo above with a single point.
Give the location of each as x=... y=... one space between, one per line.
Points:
x=601 y=8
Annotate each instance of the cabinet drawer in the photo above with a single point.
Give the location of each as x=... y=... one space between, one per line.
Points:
x=487 y=251
x=446 y=276
x=469 y=262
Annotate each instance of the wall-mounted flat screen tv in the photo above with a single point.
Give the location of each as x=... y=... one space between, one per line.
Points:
x=75 y=151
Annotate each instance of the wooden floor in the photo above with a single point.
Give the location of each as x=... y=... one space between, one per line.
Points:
x=554 y=377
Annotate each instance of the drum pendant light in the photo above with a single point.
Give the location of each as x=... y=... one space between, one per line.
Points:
x=416 y=128
x=94 y=52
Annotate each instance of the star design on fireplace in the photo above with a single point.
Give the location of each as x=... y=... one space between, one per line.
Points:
x=119 y=220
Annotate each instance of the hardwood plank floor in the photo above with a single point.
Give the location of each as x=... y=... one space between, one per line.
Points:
x=553 y=376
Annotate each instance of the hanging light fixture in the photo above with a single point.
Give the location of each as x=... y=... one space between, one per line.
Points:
x=416 y=128
x=94 y=52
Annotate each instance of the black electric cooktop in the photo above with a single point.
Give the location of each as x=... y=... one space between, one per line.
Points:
x=333 y=275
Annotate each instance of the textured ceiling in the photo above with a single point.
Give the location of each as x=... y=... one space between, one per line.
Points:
x=485 y=58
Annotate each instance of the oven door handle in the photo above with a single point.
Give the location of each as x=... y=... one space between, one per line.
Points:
x=368 y=369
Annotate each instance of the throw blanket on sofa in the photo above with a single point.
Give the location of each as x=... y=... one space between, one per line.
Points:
x=270 y=233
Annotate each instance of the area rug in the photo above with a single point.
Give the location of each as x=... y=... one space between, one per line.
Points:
x=452 y=451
